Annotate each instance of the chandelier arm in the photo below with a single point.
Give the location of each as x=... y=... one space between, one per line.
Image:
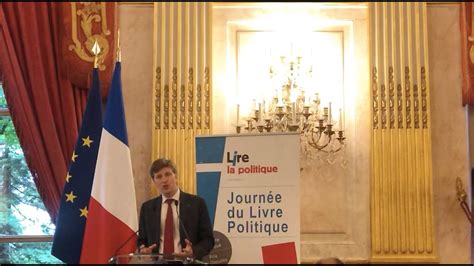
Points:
x=314 y=143
x=321 y=148
x=336 y=150
x=319 y=133
x=312 y=138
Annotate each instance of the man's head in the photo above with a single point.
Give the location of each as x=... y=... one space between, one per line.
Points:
x=164 y=174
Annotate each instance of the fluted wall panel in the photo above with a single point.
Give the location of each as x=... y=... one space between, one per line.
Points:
x=182 y=90
x=401 y=183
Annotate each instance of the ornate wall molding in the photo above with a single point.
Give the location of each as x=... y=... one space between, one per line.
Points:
x=375 y=99
x=182 y=89
x=401 y=182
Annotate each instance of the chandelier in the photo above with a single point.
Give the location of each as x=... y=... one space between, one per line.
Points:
x=292 y=109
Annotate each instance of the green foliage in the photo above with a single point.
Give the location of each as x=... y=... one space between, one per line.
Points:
x=3 y=101
x=16 y=189
x=22 y=253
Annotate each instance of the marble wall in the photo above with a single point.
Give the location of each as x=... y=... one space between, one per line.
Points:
x=136 y=33
x=449 y=133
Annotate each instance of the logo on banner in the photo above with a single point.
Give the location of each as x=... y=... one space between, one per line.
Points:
x=237 y=158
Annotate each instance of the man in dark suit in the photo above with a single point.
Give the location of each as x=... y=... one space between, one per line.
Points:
x=160 y=230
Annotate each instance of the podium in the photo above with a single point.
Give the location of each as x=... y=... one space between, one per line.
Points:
x=135 y=258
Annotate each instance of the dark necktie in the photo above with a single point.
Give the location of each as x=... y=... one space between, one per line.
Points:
x=168 y=247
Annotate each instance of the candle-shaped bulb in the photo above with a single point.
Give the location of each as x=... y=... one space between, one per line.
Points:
x=293 y=112
x=293 y=96
x=280 y=101
x=343 y=124
x=237 y=115
x=340 y=118
x=252 y=110
x=329 y=114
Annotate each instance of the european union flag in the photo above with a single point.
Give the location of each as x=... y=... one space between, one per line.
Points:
x=72 y=216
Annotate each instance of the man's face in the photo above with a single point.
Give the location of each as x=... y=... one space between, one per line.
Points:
x=165 y=182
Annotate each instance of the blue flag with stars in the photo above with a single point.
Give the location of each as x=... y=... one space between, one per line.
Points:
x=72 y=216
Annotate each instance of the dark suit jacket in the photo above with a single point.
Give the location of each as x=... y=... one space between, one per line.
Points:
x=194 y=216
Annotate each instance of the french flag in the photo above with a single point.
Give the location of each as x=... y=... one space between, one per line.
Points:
x=112 y=216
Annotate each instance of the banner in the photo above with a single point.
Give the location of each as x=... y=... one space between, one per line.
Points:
x=251 y=186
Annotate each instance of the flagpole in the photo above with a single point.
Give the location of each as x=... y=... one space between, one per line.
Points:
x=96 y=51
x=119 y=52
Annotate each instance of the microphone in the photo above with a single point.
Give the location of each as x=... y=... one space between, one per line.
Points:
x=180 y=222
x=112 y=259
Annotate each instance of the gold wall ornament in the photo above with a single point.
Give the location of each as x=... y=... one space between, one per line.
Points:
x=199 y=106
x=182 y=106
x=402 y=227
x=383 y=106
x=207 y=98
x=181 y=49
x=407 y=96
x=391 y=101
x=166 y=107
x=416 y=109
x=462 y=197
x=174 y=99
x=424 y=101
x=158 y=99
x=461 y=193
x=400 y=106
x=375 y=99
x=190 y=98
x=90 y=13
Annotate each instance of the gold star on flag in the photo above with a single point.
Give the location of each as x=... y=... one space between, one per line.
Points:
x=68 y=177
x=87 y=142
x=70 y=197
x=84 y=212
x=74 y=156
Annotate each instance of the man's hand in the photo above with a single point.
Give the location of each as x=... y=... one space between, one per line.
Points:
x=146 y=250
x=187 y=251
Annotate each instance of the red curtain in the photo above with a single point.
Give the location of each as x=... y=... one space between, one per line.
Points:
x=467 y=53
x=45 y=108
